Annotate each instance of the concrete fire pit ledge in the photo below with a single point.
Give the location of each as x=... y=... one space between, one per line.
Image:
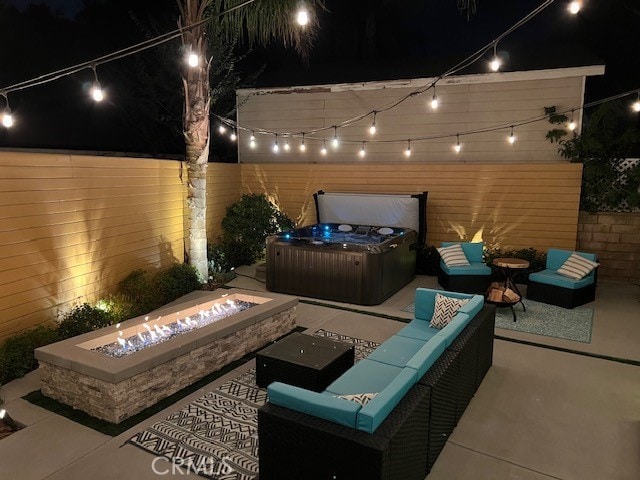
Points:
x=114 y=388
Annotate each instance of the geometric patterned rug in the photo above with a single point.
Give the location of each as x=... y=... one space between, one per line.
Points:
x=216 y=436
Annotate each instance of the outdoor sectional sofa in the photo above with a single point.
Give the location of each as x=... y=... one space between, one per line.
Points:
x=423 y=379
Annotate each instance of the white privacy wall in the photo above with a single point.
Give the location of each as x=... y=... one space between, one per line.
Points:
x=467 y=103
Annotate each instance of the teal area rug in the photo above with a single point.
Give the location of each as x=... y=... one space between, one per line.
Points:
x=543 y=319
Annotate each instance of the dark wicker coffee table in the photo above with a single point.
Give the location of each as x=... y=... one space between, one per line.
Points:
x=304 y=361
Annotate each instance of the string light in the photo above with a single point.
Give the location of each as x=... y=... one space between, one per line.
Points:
x=362 y=151
x=7 y=118
x=276 y=148
x=407 y=152
x=222 y=129
x=323 y=150
x=252 y=140
x=233 y=136
x=636 y=105
x=372 y=128
x=302 y=17
x=495 y=63
x=193 y=59
x=572 y=123
x=457 y=147
x=575 y=6
x=287 y=147
x=434 y=99
x=96 y=90
x=303 y=147
x=512 y=138
x=335 y=141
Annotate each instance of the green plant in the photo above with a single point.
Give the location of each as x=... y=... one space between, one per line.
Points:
x=246 y=225
x=607 y=138
x=16 y=353
x=174 y=282
x=537 y=261
x=82 y=319
x=136 y=294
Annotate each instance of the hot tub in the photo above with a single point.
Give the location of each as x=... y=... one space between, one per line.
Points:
x=360 y=264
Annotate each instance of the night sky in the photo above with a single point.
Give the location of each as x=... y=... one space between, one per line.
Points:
x=359 y=40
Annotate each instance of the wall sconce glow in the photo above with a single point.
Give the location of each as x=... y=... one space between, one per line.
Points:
x=7 y=118
x=574 y=7
x=302 y=17
x=407 y=152
x=362 y=151
x=457 y=147
x=252 y=141
x=193 y=60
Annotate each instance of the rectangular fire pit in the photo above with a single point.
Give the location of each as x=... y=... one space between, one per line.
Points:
x=91 y=373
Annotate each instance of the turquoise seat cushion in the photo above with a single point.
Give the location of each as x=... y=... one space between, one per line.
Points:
x=373 y=413
x=472 y=250
x=476 y=268
x=453 y=328
x=427 y=355
x=418 y=329
x=550 y=277
x=330 y=408
x=366 y=376
x=396 y=351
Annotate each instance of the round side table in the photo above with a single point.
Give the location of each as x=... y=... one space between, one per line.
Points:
x=507 y=266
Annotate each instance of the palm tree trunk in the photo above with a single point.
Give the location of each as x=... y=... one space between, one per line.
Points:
x=196 y=134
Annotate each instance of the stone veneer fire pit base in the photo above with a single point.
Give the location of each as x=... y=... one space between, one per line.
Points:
x=114 y=389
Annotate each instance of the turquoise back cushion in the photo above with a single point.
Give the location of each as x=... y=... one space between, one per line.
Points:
x=426 y=298
x=473 y=251
x=555 y=257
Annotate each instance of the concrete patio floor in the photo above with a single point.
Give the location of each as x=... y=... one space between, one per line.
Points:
x=539 y=414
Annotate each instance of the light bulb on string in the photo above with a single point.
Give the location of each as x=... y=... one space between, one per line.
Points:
x=572 y=123
x=252 y=140
x=302 y=17
x=407 y=152
x=335 y=142
x=636 y=105
x=457 y=147
x=7 y=117
x=233 y=136
x=575 y=6
x=222 y=129
x=303 y=147
x=372 y=128
x=96 y=90
x=495 y=62
x=193 y=59
x=287 y=147
x=276 y=148
x=512 y=137
x=434 y=99
x=362 y=151
x=323 y=150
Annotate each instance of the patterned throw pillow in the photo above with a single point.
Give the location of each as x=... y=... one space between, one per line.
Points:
x=453 y=255
x=445 y=309
x=361 y=398
x=577 y=267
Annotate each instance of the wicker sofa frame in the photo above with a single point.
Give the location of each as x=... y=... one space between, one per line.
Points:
x=296 y=445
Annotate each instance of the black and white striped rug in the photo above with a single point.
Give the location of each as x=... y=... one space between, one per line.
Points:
x=216 y=436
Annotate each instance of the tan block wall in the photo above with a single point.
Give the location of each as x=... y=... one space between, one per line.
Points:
x=615 y=238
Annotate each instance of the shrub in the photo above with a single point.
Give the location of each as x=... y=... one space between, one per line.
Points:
x=16 y=353
x=136 y=294
x=246 y=225
x=82 y=319
x=174 y=282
